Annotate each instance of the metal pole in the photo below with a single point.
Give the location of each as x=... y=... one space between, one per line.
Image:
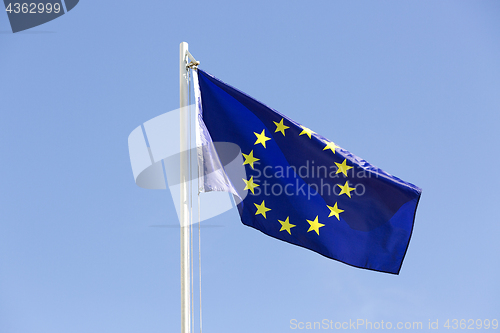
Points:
x=185 y=192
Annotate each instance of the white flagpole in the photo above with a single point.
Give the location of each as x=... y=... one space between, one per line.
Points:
x=185 y=192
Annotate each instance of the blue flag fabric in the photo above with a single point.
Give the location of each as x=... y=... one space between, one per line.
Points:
x=306 y=190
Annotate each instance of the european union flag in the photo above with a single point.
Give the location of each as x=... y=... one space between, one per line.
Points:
x=306 y=190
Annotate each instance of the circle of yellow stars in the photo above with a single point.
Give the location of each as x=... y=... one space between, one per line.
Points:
x=314 y=224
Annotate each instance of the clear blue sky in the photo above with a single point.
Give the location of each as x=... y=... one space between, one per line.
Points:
x=413 y=87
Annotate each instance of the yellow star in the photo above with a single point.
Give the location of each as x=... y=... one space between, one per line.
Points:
x=249 y=159
x=335 y=211
x=250 y=185
x=261 y=138
x=280 y=127
x=346 y=189
x=262 y=209
x=315 y=225
x=285 y=225
x=342 y=167
x=307 y=131
x=330 y=145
